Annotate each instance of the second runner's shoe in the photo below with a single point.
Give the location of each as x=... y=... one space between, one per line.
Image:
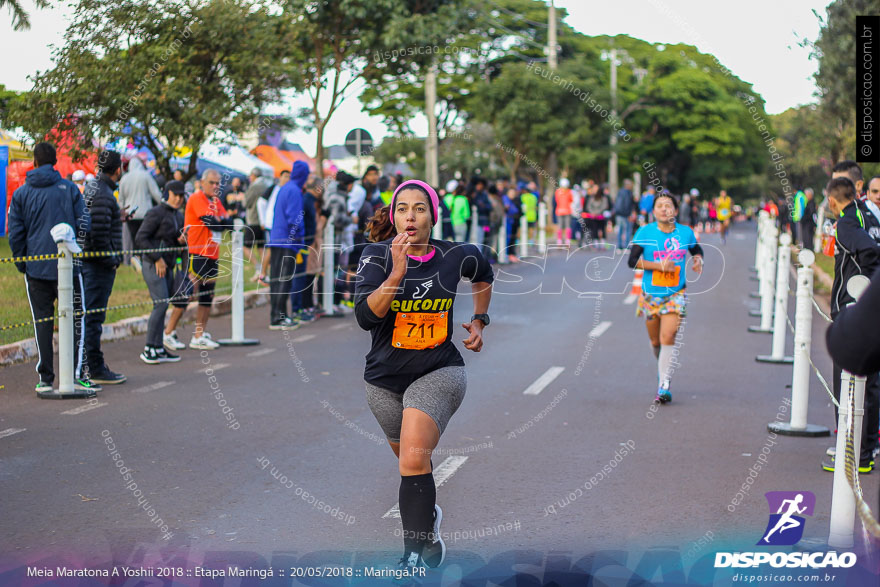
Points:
x=407 y=570
x=434 y=550
x=663 y=395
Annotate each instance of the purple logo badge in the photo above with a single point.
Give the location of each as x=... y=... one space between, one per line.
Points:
x=786 y=525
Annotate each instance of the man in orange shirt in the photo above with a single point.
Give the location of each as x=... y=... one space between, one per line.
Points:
x=205 y=221
x=564 y=198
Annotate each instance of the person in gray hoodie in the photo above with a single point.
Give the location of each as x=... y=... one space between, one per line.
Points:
x=253 y=232
x=138 y=192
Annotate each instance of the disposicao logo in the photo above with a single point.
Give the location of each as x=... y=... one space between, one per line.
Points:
x=786 y=528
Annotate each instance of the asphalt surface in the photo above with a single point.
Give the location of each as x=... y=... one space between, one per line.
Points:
x=512 y=461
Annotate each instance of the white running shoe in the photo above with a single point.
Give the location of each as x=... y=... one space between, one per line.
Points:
x=434 y=550
x=171 y=342
x=204 y=342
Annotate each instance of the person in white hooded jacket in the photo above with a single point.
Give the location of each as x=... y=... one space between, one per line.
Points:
x=138 y=192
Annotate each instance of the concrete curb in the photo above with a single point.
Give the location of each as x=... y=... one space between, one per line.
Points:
x=26 y=350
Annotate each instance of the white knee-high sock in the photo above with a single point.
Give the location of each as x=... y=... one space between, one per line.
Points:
x=664 y=362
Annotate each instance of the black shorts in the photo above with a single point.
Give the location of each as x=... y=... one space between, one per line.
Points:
x=205 y=272
x=253 y=234
x=203 y=268
x=182 y=289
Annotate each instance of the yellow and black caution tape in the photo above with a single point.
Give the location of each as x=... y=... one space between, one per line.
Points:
x=816 y=369
x=818 y=309
x=23 y=324
x=852 y=477
x=30 y=258
x=94 y=254
x=118 y=307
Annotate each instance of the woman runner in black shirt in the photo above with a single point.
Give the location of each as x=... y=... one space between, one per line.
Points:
x=415 y=377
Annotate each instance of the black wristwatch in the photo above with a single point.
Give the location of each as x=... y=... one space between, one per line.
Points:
x=484 y=318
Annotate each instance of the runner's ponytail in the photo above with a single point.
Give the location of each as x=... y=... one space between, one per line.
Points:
x=380 y=226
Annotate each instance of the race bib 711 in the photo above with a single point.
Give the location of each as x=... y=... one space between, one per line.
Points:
x=419 y=330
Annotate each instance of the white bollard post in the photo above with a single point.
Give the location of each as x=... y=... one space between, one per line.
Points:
x=66 y=388
x=238 y=338
x=760 y=251
x=843 y=503
x=502 y=242
x=476 y=237
x=523 y=236
x=767 y=276
x=780 y=311
x=542 y=227
x=762 y=220
x=800 y=377
x=329 y=271
x=65 y=320
x=437 y=232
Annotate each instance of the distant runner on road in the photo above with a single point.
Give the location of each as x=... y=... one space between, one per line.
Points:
x=664 y=301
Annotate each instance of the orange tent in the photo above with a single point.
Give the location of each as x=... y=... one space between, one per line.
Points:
x=273 y=157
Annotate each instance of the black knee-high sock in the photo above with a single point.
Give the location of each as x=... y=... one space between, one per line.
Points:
x=417 y=498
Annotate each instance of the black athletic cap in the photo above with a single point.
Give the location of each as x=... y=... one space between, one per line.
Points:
x=175 y=187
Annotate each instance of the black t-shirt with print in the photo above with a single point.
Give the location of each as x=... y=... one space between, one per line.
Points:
x=414 y=337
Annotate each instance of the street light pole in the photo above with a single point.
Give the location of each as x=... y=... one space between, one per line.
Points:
x=431 y=171
x=552 y=63
x=551 y=36
x=612 y=160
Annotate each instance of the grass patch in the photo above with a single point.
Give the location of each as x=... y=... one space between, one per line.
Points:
x=129 y=288
x=826 y=264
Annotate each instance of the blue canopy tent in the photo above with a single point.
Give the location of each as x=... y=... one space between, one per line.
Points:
x=203 y=164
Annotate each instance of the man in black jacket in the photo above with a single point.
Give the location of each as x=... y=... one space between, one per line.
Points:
x=99 y=273
x=46 y=200
x=856 y=253
x=853 y=339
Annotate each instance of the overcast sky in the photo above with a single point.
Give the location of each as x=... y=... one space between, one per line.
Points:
x=755 y=39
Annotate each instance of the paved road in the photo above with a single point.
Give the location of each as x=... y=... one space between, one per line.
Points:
x=561 y=392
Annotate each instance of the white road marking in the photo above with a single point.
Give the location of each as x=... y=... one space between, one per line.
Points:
x=303 y=338
x=339 y=326
x=84 y=408
x=11 y=431
x=216 y=367
x=600 y=328
x=153 y=386
x=630 y=299
x=442 y=473
x=260 y=352
x=543 y=381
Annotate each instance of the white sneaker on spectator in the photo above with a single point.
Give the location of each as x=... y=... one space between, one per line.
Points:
x=171 y=342
x=204 y=342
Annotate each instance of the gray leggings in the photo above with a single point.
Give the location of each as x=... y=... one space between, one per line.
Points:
x=438 y=394
x=159 y=290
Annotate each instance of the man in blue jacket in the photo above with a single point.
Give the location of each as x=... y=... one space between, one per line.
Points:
x=624 y=206
x=99 y=273
x=44 y=201
x=286 y=240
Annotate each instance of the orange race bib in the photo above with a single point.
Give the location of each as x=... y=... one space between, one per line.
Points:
x=666 y=279
x=419 y=330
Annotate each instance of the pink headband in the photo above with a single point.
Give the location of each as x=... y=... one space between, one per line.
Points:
x=432 y=195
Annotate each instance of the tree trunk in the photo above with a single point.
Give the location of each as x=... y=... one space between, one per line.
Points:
x=319 y=150
x=193 y=159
